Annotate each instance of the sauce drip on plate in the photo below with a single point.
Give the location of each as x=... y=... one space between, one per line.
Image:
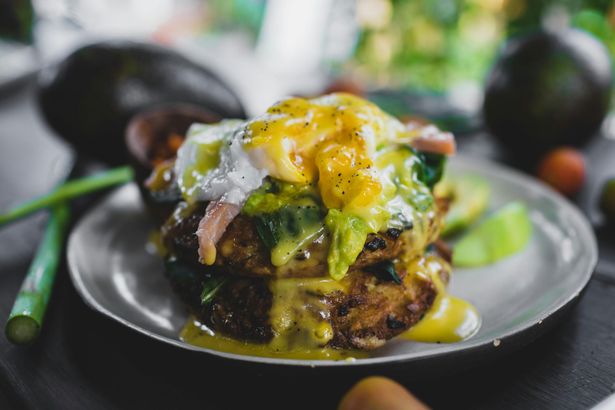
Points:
x=299 y=319
x=200 y=335
x=449 y=320
x=301 y=327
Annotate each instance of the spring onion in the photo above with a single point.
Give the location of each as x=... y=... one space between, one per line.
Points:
x=26 y=318
x=69 y=190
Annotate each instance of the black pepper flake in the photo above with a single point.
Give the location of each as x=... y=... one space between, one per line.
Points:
x=393 y=233
x=375 y=244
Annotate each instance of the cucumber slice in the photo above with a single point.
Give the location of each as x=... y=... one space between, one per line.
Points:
x=502 y=234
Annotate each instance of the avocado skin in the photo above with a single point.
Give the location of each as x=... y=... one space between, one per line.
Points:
x=548 y=89
x=89 y=97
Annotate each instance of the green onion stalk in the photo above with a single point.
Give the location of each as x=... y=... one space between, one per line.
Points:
x=26 y=318
x=69 y=190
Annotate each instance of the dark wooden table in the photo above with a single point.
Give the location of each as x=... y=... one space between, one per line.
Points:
x=84 y=360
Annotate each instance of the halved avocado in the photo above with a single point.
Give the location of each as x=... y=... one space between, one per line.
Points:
x=89 y=97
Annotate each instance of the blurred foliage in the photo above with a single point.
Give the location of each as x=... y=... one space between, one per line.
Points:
x=597 y=22
x=432 y=45
x=231 y=15
x=16 y=20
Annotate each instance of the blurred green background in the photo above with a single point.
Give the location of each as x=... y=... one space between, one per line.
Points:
x=422 y=44
x=435 y=44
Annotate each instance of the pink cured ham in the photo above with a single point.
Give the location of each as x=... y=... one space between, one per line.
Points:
x=431 y=139
x=218 y=216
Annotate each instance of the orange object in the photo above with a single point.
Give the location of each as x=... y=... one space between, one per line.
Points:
x=377 y=392
x=345 y=85
x=563 y=169
x=175 y=141
x=435 y=141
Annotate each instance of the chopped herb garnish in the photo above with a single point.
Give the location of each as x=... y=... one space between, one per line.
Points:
x=386 y=271
x=267 y=229
x=431 y=168
x=210 y=287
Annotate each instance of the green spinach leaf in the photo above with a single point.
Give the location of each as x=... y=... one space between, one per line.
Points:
x=210 y=287
x=386 y=271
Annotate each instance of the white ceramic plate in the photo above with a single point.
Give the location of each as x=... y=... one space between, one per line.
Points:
x=518 y=298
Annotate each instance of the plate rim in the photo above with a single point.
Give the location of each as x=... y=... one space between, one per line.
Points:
x=581 y=223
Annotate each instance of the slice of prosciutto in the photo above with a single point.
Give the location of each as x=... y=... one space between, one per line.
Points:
x=217 y=218
x=431 y=139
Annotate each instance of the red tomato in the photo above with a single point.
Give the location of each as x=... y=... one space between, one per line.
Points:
x=563 y=169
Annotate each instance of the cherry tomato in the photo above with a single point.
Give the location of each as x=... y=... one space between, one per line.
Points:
x=563 y=169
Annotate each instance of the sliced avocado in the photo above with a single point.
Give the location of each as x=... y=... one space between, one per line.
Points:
x=469 y=198
x=502 y=234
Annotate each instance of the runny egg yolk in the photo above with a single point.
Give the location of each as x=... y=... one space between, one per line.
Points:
x=346 y=177
x=331 y=139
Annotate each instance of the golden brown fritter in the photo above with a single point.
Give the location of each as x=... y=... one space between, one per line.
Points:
x=371 y=310
x=242 y=252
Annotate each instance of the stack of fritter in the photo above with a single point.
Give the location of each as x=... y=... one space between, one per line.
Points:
x=386 y=291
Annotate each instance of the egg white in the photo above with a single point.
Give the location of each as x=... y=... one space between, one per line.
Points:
x=235 y=177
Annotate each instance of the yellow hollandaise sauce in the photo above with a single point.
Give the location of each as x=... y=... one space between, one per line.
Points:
x=333 y=142
x=330 y=142
x=350 y=154
x=449 y=320
x=330 y=170
x=299 y=319
x=200 y=335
